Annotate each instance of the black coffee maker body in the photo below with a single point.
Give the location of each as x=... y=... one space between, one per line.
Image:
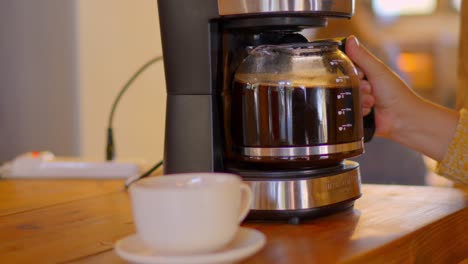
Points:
x=204 y=44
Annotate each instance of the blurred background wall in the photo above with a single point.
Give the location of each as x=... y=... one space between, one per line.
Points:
x=115 y=38
x=39 y=90
x=61 y=65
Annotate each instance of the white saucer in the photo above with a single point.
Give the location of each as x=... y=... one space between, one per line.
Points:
x=246 y=243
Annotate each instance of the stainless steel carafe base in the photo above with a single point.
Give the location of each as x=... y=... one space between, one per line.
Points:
x=302 y=194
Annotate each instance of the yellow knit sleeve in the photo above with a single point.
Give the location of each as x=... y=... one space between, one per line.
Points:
x=455 y=163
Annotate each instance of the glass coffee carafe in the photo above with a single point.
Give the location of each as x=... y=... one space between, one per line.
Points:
x=293 y=106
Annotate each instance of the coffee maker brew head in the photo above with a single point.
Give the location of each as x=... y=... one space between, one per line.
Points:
x=325 y=8
x=283 y=14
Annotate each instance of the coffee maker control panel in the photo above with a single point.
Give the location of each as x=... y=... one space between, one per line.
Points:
x=339 y=8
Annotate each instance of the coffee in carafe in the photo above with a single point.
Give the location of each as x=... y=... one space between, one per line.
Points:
x=295 y=106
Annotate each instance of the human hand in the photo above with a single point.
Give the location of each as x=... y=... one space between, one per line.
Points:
x=384 y=90
x=400 y=114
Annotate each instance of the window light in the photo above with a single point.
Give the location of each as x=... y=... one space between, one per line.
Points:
x=456 y=4
x=403 y=7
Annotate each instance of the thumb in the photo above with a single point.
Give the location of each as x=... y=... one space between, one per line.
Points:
x=364 y=59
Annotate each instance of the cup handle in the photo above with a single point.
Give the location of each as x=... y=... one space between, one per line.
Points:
x=246 y=201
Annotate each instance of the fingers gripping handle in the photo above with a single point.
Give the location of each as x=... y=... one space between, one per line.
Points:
x=369 y=120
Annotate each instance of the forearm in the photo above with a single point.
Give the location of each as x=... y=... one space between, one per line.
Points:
x=427 y=128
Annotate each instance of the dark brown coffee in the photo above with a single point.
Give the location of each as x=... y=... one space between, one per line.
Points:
x=274 y=116
x=270 y=116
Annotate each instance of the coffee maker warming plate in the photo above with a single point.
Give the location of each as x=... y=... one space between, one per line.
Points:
x=305 y=194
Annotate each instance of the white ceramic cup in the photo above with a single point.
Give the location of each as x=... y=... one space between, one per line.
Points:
x=189 y=213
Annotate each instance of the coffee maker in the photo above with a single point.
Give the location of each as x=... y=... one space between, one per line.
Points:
x=204 y=42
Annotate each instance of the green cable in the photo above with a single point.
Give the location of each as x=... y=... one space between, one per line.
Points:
x=129 y=82
x=110 y=149
x=144 y=175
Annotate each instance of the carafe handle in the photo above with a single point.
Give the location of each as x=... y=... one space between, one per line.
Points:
x=369 y=126
x=369 y=120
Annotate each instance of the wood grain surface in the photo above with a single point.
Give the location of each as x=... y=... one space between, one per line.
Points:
x=64 y=221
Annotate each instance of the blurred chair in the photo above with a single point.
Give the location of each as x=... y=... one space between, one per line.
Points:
x=387 y=162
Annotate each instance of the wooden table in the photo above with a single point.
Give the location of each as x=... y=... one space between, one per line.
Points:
x=78 y=221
